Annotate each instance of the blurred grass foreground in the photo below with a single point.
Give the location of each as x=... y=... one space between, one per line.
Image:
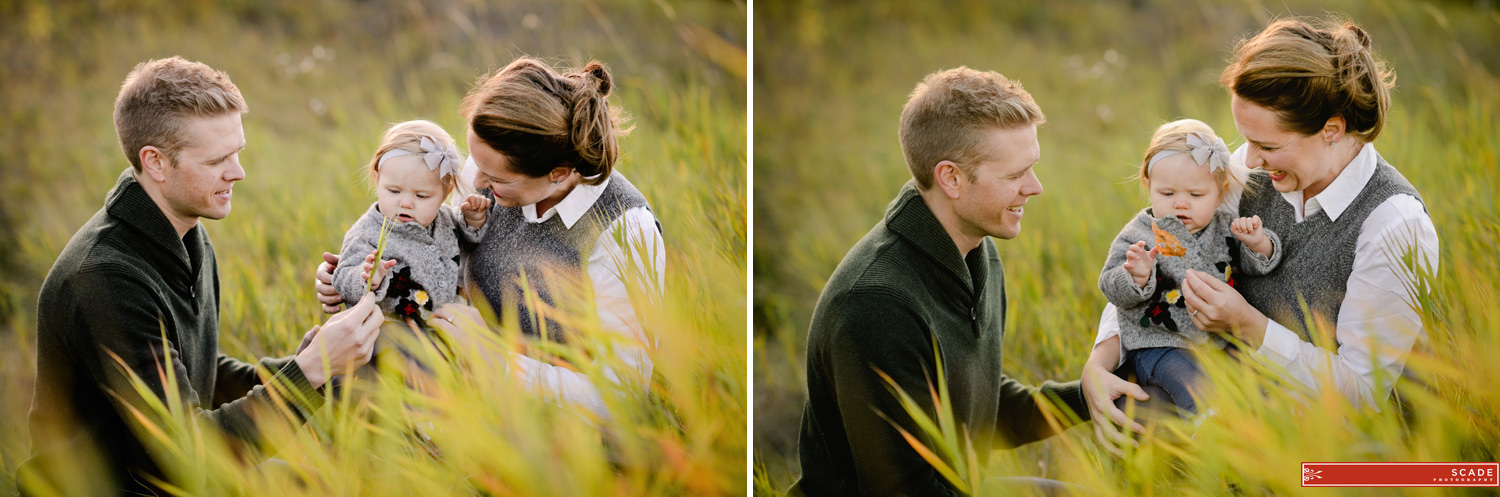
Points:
x=829 y=86
x=323 y=78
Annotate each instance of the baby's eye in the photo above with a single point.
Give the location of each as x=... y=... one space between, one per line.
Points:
x=393 y=190
x=1197 y=194
x=423 y=195
x=1166 y=194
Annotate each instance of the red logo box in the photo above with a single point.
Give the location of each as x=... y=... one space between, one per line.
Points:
x=1401 y=474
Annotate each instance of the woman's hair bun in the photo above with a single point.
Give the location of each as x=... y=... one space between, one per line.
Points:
x=599 y=75
x=1359 y=34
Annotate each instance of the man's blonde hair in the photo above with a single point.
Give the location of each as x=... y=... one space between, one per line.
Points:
x=158 y=95
x=950 y=111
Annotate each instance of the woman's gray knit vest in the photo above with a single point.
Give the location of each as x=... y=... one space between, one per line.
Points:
x=548 y=258
x=1319 y=252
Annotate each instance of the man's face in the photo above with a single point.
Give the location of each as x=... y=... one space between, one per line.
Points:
x=200 y=183
x=990 y=203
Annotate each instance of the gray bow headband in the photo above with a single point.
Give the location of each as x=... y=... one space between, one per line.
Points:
x=1213 y=154
x=443 y=159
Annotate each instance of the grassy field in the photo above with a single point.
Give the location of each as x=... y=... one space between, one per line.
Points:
x=323 y=79
x=829 y=86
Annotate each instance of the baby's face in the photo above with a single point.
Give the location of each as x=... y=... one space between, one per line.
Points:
x=407 y=191
x=1182 y=188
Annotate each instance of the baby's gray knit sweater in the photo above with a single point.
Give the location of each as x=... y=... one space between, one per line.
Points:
x=1156 y=315
x=427 y=256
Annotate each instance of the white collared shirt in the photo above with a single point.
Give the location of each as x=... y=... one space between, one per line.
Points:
x=1378 y=322
x=611 y=296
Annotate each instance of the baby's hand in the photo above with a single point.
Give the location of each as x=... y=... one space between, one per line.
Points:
x=1252 y=234
x=1139 y=262
x=476 y=209
x=379 y=275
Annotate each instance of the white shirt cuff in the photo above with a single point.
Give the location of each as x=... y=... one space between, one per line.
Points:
x=1280 y=344
x=1109 y=326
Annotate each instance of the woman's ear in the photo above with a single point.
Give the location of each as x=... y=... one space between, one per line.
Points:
x=1333 y=130
x=559 y=174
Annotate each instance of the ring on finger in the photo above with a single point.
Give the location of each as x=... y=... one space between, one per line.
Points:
x=1193 y=313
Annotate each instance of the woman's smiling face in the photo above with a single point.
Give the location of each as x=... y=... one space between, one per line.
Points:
x=1295 y=162
x=511 y=188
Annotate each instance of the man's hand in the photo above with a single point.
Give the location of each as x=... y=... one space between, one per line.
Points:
x=1252 y=234
x=345 y=342
x=1140 y=262
x=476 y=209
x=1100 y=389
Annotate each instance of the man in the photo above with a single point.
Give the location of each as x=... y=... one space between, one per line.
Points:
x=929 y=272
x=140 y=280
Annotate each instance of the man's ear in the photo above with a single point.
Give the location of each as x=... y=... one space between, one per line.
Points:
x=1333 y=130
x=154 y=163
x=946 y=176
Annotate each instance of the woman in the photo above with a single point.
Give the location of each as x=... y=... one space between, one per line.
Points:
x=564 y=224
x=1310 y=102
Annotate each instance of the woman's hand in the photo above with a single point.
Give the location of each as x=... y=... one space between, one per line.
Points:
x=1217 y=307
x=323 y=284
x=1100 y=389
x=459 y=322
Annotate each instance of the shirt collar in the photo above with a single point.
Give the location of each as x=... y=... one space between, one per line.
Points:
x=129 y=202
x=909 y=217
x=1335 y=199
x=572 y=207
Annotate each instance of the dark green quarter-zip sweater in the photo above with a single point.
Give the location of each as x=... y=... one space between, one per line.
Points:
x=122 y=285
x=900 y=287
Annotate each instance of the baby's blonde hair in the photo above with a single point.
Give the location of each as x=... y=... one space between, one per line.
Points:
x=1173 y=136
x=408 y=136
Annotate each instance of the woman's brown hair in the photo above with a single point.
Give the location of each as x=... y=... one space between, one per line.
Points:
x=1311 y=71
x=541 y=119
